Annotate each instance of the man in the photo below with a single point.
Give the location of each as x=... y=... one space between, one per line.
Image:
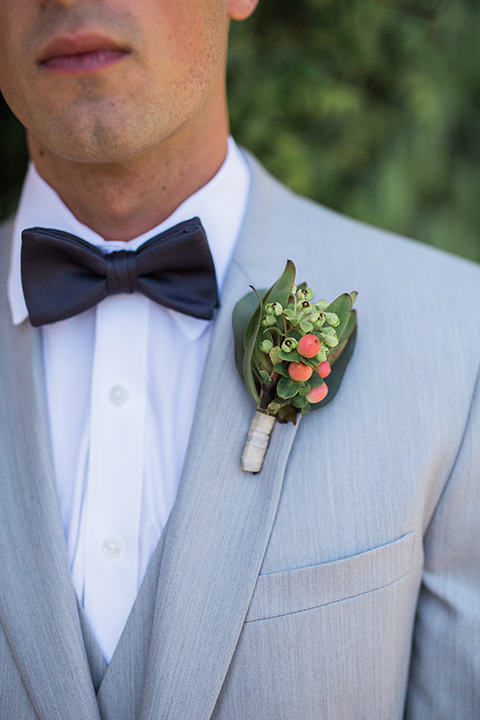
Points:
x=340 y=582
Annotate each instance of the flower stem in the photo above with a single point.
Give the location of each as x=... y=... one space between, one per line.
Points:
x=269 y=392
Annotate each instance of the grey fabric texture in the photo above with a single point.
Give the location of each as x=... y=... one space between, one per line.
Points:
x=96 y=661
x=340 y=582
x=121 y=691
x=37 y=602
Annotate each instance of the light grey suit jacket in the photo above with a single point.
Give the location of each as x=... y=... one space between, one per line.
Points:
x=340 y=583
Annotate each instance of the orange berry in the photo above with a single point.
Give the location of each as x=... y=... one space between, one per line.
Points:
x=324 y=369
x=317 y=394
x=309 y=345
x=299 y=371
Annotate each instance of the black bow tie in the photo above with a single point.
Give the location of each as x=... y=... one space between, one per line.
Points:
x=63 y=275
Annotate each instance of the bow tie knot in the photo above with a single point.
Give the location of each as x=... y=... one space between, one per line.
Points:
x=62 y=275
x=121 y=272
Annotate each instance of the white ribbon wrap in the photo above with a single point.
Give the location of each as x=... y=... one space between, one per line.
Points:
x=257 y=442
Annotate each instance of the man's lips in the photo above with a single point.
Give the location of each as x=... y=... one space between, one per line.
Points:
x=80 y=53
x=84 y=62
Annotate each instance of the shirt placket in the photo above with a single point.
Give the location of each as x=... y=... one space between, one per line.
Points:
x=115 y=465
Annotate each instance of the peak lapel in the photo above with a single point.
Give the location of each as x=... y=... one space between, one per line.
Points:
x=37 y=602
x=217 y=536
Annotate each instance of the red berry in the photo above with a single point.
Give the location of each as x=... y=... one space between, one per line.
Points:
x=324 y=369
x=309 y=345
x=317 y=394
x=299 y=371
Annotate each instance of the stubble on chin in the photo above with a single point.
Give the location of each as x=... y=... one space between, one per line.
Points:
x=87 y=118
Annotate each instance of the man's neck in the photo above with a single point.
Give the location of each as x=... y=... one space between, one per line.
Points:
x=123 y=200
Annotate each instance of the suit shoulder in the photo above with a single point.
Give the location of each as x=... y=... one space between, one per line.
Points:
x=314 y=230
x=6 y=231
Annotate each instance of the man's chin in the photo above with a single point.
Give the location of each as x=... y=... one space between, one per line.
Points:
x=94 y=153
x=95 y=141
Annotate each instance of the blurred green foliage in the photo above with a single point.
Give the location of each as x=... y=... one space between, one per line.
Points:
x=371 y=107
x=13 y=159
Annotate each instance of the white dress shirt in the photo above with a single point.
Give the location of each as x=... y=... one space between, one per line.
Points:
x=122 y=381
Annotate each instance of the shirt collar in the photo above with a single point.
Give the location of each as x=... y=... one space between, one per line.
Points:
x=220 y=204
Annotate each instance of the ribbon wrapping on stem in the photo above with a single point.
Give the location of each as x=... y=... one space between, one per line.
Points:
x=257 y=442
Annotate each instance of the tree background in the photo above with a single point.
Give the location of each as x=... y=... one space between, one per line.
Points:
x=371 y=107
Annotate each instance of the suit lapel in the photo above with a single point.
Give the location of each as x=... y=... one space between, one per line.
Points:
x=37 y=602
x=218 y=532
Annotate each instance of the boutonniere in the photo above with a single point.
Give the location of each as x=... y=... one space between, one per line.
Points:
x=292 y=353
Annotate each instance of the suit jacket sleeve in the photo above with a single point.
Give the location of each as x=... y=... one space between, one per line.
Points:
x=445 y=669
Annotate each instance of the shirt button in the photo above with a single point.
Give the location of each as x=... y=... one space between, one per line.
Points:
x=118 y=395
x=112 y=546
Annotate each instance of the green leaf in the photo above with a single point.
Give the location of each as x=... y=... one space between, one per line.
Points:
x=280 y=290
x=275 y=355
x=281 y=369
x=342 y=307
x=299 y=402
x=251 y=323
x=273 y=329
x=311 y=362
x=292 y=356
x=242 y=314
x=295 y=334
x=287 y=388
x=315 y=380
x=338 y=370
x=278 y=293
x=351 y=325
x=264 y=377
x=247 y=358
